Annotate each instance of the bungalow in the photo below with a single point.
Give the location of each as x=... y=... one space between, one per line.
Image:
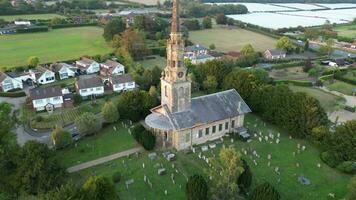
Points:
x=8 y=83
x=121 y=83
x=274 y=54
x=202 y=58
x=110 y=68
x=194 y=50
x=88 y=66
x=42 y=75
x=64 y=70
x=46 y=98
x=89 y=86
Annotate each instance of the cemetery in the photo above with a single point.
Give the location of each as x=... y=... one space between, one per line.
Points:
x=292 y=166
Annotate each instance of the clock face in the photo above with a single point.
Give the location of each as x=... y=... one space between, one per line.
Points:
x=180 y=74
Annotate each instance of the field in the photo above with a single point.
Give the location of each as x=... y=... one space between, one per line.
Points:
x=150 y=63
x=231 y=39
x=30 y=17
x=107 y=142
x=328 y=101
x=55 y=45
x=324 y=180
x=346 y=30
x=342 y=87
x=292 y=73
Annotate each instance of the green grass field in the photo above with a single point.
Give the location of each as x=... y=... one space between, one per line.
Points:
x=231 y=39
x=347 y=31
x=30 y=17
x=342 y=87
x=107 y=142
x=150 y=63
x=55 y=45
x=324 y=180
x=328 y=101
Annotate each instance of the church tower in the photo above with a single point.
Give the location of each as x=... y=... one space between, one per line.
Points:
x=175 y=87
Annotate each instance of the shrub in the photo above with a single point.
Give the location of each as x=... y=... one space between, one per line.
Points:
x=13 y=94
x=33 y=29
x=110 y=112
x=77 y=99
x=61 y=138
x=116 y=177
x=347 y=167
x=351 y=109
x=88 y=124
x=295 y=82
x=197 y=188
x=328 y=159
x=39 y=118
x=144 y=137
x=265 y=191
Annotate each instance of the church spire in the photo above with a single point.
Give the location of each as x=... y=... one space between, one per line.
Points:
x=175 y=17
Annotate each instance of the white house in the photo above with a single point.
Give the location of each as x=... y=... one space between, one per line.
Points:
x=47 y=98
x=64 y=70
x=202 y=58
x=8 y=83
x=274 y=54
x=42 y=75
x=110 y=68
x=194 y=50
x=121 y=83
x=89 y=86
x=88 y=66
x=22 y=23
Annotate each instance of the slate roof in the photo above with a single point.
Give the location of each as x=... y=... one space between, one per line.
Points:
x=89 y=82
x=203 y=110
x=197 y=47
x=277 y=52
x=3 y=76
x=203 y=56
x=125 y=78
x=56 y=67
x=48 y=92
x=86 y=61
x=112 y=64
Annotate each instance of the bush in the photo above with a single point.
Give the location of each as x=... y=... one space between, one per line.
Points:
x=295 y=82
x=351 y=109
x=116 y=177
x=58 y=26
x=197 y=188
x=287 y=65
x=77 y=99
x=33 y=29
x=347 y=167
x=144 y=137
x=328 y=159
x=265 y=191
x=13 y=94
x=61 y=138
x=39 y=118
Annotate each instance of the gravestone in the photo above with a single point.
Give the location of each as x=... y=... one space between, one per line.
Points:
x=204 y=148
x=161 y=171
x=212 y=146
x=152 y=156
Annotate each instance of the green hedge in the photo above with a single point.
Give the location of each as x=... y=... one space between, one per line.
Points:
x=287 y=65
x=58 y=26
x=325 y=77
x=351 y=109
x=33 y=29
x=341 y=77
x=295 y=82
x=13 y=94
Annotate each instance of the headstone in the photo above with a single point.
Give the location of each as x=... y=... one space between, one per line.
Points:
x=204 y=148
x=266 y=138
x=165 y=192
x=269 y=156
x=143 y=165
x=304 y=147
x=319 y=165
x=152 y=156
x=298 y=146
x=260 y=139
x=297 y=164
x=129 y=182
x=277 y=141
x=232 y=140
x=161 y=171
x=269 y=164
x=212 y=146
x=114 y=127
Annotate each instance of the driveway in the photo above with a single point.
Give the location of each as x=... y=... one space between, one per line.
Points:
x=16 y=102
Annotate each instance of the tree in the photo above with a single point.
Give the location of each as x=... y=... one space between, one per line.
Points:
x=37 y=169
x=352 y=189
x=196 y=188
x=247 y=50
x=64 y=192
x=33 y=61
x=192 y=24
x=99 y=188
x=153 y=91
x=135 y=105
x=207 y=22
x=138 y=22
x=115 y=26
x=230 y=167
x=306 y=45
x=285 y=43
x=265 y=191
x=307 y=65
x=212 y=47
x=60 y=138
x=221 y=19
x=245 y=179
x=88 y=124
x=110 y=112
x=210 y=84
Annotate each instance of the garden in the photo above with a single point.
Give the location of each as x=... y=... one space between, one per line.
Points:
x=281 y=163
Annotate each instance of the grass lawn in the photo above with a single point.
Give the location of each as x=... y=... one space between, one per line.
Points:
x=328 y=101
x=150 y=63
x=347 y=30
x=30 y=17
x=231 y=39
x=293 y=73
x=66 y=82
x=107 y=142
x=324 y=180
x=52 y=46
x=342 y=87
x=350 y=75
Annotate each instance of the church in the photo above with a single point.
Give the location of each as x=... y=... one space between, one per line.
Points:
x=181 y=121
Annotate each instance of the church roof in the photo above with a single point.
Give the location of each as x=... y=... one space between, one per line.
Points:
x=206 y=109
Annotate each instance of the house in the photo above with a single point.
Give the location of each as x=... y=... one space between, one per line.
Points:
x=42 y=75
x=217 y=55
x=63 y=70
x=46 y=98
x=201 y=58
x=89 y=86
x=121 y=83
x=274 y=54
x=110 y=68
x=194 y=50
x=22 y=23
x=232 y=55
x=88 y=66
x=180 y=121
x=8 y=83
